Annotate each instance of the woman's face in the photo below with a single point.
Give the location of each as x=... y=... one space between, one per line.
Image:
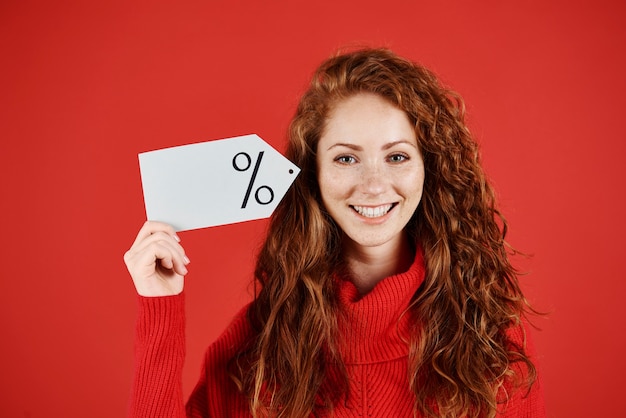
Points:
x=370 y=170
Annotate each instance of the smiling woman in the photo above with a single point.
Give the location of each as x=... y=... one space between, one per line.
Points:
x=370 y=175
x=385 y=287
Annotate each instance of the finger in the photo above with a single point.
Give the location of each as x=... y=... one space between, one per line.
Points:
x=157 y=254
x=151 y=227
x=170 y=259
x=158 y=237
x=165 y=247
x=180 y=265
x=158 y=246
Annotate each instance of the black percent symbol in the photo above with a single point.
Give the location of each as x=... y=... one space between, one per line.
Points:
x=244 y=167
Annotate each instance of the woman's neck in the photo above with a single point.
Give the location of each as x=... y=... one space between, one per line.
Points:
x=370 y=265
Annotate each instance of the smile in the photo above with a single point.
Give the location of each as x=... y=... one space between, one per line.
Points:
x=373 y=212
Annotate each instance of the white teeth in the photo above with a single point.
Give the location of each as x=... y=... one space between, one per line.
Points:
x=370 y=212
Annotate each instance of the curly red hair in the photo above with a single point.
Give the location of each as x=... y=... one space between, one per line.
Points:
x=460 y=355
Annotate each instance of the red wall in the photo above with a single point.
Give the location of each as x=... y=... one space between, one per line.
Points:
x=86 y=86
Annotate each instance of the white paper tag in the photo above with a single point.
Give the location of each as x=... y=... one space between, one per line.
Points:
x=214 y=183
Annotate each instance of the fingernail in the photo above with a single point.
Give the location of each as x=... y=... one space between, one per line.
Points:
x=187 y=261
x=177 y=238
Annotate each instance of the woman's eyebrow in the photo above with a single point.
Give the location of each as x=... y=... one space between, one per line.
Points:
x=384 y=147
x=401 y=141
x=347 y=145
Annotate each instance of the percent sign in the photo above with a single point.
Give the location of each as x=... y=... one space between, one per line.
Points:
x=257 y=164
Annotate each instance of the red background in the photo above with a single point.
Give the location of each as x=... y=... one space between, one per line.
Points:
x=85 y=86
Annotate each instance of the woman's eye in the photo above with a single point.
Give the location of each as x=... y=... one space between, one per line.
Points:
x=345 y=159
x=397 y=158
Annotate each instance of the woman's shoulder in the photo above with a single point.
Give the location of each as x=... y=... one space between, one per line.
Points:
x=519 y=334
x=233 y=338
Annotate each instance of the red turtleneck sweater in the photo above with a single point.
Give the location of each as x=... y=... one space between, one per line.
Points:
x=373 y=346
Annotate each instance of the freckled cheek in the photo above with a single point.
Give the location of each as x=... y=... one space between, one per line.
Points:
x=328 y=188
x=413 y=185
x=336 y=184
x=409 y=178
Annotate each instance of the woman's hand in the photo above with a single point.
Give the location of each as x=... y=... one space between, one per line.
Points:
x=156 y=261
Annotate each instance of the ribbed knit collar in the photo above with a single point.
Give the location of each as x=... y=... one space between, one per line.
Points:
x=372 y=327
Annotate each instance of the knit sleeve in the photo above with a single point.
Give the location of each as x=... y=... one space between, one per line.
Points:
x=159 y=357
x=215 y=394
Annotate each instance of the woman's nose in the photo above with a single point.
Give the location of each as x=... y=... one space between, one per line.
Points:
x=372 y=179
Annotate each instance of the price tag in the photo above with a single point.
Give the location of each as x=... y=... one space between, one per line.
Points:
x=214 y=183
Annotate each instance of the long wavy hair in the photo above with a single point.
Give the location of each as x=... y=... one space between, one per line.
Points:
x=459 y=355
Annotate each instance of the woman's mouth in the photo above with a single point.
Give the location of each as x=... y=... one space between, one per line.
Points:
x=373 y=211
